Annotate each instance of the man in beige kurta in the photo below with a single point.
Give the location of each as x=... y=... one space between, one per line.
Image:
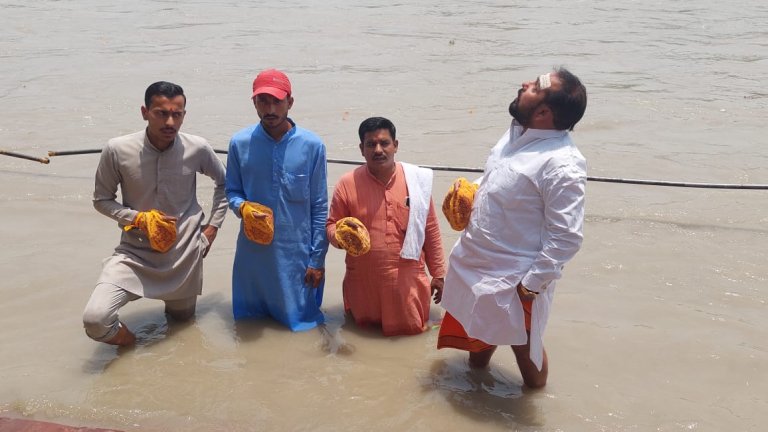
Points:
x=154 y=169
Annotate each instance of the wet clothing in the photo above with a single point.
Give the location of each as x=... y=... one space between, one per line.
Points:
x=526 y=223
x=166 y=181
x=101 y=313
x=288 y=176
x=453 y=335
x=381 y=287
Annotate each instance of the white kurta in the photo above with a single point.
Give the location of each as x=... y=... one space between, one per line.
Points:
x=526 y=223
x=166 y=181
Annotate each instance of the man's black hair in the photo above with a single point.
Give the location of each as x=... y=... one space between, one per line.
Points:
x=569 y=103
x=163 y=88
x=373 y=124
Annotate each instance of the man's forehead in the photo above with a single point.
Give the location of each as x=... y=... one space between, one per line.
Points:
x=549 y=81
x=159 y=99
x=375 y=134
x=545 y=81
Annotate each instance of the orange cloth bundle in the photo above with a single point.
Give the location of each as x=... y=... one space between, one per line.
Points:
x=161 y=233
x=457 y=205
x=353 y=236
x=258 y=222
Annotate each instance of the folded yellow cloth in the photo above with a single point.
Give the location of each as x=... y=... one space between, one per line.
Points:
x=355 y=240
x=457 y=205
x=258 y=222
x=161 y=233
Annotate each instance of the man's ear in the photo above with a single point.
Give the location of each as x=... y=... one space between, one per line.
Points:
x=290 y=102
x=361 y=149
x=542 y=111
x=544 y=116
x=144 y=112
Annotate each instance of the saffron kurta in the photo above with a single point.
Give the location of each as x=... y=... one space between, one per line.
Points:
x=288 y=176
x=380 y=287
x=526 y=223
x=166 y=181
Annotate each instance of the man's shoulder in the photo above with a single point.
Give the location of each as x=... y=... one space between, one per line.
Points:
x=564 y=159
x=245 y=133
x=349 y=176
x=407 y=166
x=193 y=140
x=308 y=135
x=132 y=137
x=125 y=143
x=564 y=147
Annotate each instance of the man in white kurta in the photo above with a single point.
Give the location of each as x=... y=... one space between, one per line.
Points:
x=154 y=169
x=526 y=223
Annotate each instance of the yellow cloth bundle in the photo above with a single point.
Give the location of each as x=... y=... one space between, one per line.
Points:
x=457 y=205
x=161 y=233
x=258 y=222
x=353 y=236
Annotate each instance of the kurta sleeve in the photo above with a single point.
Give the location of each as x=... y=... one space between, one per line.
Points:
x=563 y=194
x=339 y=209
x=105 y=191
x=234 y=181
x=214 y=168
x=433 y=244
x=318 y=196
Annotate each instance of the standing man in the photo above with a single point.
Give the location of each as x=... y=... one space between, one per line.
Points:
x=526 y=223
x=388 y=286
x=155 y=170
x=281 y=166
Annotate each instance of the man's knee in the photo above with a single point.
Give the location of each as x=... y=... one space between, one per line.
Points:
x=99 y=324
x=181 y=310
x=100 y=316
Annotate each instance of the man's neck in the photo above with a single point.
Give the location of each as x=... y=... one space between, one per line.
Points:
x=385 y=175
x=279 y=132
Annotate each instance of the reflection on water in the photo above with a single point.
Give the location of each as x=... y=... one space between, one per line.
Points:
x=485 y=395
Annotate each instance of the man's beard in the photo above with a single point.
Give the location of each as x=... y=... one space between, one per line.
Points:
x=523 y=118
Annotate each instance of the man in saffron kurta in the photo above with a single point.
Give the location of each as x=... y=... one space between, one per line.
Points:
x=282 y=166
x=154 y=169
x=388 y=286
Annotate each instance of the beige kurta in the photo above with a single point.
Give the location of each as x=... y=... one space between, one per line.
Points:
x=166 y=181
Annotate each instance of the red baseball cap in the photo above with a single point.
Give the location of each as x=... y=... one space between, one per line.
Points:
x=273 y=82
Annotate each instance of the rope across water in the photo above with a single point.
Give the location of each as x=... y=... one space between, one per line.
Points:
x=480 y=170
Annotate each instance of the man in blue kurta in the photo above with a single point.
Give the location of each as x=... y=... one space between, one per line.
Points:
x=282 y=166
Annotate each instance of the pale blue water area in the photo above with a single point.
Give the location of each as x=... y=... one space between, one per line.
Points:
x=659 y=322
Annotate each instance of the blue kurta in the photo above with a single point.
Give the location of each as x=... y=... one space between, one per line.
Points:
x=289 y=176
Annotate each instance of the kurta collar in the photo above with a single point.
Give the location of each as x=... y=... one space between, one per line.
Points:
x=288 y=134
x=518 y=139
